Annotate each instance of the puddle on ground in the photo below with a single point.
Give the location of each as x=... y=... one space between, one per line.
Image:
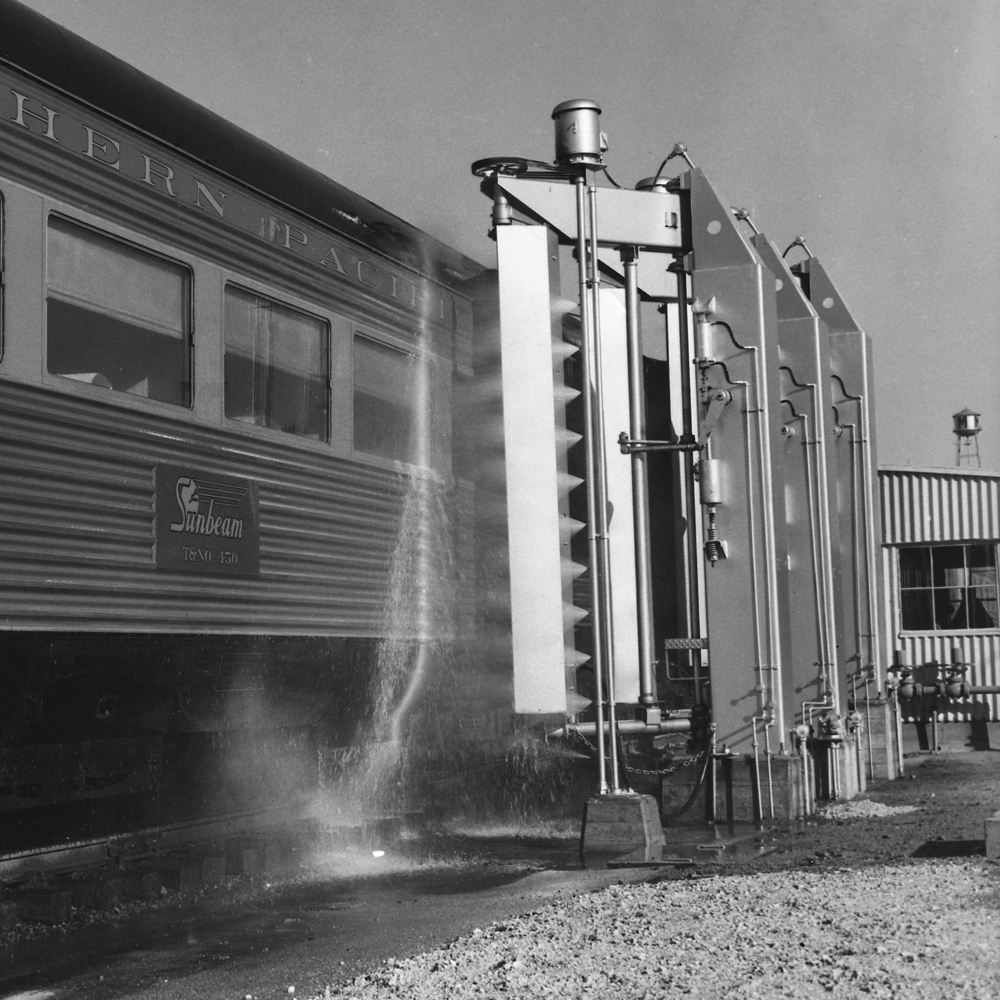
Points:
x=951 y=849
x=700 y=846
x=176 y=941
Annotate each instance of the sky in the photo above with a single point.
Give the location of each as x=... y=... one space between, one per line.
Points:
x=869 y=127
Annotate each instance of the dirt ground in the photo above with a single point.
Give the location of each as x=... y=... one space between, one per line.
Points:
x=893 y=904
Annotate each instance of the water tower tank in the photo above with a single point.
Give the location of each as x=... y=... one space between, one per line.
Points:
x=966 y=426
x=966 y=423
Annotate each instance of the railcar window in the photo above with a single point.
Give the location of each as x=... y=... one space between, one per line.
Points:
x=385 y=397
x=277 y=366
x=946 y=587
x=118 y=317
x=3 y=275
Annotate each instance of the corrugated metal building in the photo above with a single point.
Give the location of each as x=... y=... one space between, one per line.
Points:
x=941 y=531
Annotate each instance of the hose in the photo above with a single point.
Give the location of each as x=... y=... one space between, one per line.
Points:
x=694 y=794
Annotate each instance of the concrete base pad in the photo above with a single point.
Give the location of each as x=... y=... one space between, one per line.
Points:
x=620 y=823
x=993 y=837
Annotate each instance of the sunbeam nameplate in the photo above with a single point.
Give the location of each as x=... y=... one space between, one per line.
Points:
x=205 y=522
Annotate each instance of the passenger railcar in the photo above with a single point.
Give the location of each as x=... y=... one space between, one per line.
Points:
x=220 y=371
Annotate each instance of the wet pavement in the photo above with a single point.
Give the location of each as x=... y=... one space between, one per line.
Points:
x=346 y=912
x=342 y=911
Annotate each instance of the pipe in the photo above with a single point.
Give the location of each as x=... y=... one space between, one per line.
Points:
x=640 y=484
x=694 y=569
x=869 y=490
x=587 y=363
x=807 y=808
x=712 y=789
x=898 y=715
x=859 y=511
x=759 y=659
x=630 y=727
x=767 y=757
x=868 y=725
x=772 y=664
x=807 y=713
x=859 y=766
x=926 y=690
x=601 y=486
x=822 y=561
x=758 y=809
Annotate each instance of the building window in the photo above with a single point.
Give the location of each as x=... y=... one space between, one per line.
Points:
x=118 y=317
x=277 y=366
x=947 y=587
x=384 y=400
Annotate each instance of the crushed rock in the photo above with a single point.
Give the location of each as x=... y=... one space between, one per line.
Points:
x=924 y=931
x=862 y=808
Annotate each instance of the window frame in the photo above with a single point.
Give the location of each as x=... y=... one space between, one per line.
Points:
x=137 y=241
x=390 y=344
x=210 y=274
x=293 y=304
x=422 y=354
x=932 y=589
x=3 y=273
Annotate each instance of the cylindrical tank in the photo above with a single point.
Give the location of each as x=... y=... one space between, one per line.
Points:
x=710 y=476
x=966 y=423
x=578 y=132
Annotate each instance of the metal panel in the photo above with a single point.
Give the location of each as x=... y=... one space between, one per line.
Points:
x=855 y=471
x=621 y=526
x=76 y=526
x=939 y=505
x=746 y=598
x=813 y=562
x=533 y=486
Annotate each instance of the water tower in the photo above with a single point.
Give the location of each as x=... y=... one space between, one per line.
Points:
x=966 y=426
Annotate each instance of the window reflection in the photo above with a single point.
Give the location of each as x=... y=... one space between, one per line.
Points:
x=277 y=366
x=947 y=587
x=118 y=317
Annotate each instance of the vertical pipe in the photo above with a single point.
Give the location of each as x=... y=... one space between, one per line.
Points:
x=640 y=485
x=693 y=557
x=587 y=364
x=758 y=807
x=601 y=490
x=898 y=713
x=770 y=779
x=869 y=489
x=868 y=726
x=711 y=775
x=859 y=761
x=807 y=777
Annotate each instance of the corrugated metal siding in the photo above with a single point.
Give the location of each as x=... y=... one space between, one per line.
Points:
x=925 y=505
x=76 y=526
x=928 y=506
x=980 y=650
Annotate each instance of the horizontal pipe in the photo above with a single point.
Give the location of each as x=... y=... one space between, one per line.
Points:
x=630 y=445
x=928 y=690
x=627 y=727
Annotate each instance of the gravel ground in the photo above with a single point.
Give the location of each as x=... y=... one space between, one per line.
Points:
x=841 y=908
x=924 y=930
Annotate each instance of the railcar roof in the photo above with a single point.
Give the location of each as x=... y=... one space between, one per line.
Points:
x=86 y=73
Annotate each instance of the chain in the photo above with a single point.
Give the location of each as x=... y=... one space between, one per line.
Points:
x=669 y=770
x=642 y=770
